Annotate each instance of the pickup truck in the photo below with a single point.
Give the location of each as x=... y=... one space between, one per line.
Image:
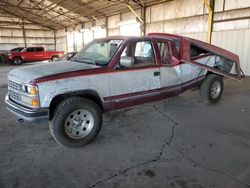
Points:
x=32 y=54
x=114 y=73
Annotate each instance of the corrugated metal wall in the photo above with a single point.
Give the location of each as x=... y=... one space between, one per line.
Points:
x=189 y=18
x=231 y=28
x=13 y=36
x=198 y=36
x=237 y=41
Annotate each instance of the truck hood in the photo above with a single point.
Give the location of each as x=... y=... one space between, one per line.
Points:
x=28 y=73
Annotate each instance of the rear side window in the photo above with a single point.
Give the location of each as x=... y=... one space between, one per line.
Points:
x=39 y=49
x=196 y=51
x=204 y=57
x=30 y=49
x=164 y=52
x=177 y=47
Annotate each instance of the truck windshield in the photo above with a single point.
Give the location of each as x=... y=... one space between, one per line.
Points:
x=98 y=52
x=16 y=49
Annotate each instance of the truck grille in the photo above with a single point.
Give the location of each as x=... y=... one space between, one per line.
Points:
x=14 y=89
x=14 y=85
x=14 y=96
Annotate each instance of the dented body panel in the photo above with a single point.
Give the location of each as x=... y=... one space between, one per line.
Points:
x=211 y=50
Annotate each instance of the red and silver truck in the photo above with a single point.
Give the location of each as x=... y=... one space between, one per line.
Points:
x=114 y=73
x=32 y=54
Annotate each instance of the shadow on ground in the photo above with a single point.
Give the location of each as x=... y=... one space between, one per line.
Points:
x=178 y=142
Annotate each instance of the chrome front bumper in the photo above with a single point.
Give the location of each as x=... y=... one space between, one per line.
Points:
x=27 y=114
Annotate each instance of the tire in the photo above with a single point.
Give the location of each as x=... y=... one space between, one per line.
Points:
x=211 y=89
x=17 y=61
x=76 y=121
x=54 y=58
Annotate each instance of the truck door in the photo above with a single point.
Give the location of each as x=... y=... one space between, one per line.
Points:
x=169 y=69
x=39 y=54
x=138 y=83
x=29 y=54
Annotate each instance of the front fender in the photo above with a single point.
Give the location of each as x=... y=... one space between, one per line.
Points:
x=49 y=90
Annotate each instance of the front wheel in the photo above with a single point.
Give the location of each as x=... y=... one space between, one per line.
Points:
x=54 y=58
x=17 y=61
x=212 y=88
x=76 y=122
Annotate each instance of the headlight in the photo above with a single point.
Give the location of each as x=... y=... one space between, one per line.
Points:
x=29 y=95
x=32 y=90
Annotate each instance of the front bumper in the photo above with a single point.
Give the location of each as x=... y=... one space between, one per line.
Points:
x=27 y=114
x=8 y=58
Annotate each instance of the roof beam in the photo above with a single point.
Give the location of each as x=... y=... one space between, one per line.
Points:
x=61 y=14
x=22 y=7
x=21 y=15
x=86 y=6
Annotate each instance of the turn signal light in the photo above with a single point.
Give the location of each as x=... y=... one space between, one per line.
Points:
x=35 y=102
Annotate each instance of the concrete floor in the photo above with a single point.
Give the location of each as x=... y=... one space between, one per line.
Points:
x=176 y=143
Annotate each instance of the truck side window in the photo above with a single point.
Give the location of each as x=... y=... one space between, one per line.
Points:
x=142 y=52
x=30 y=49
x=39 y=49
x=196 y=51
x=164 y=52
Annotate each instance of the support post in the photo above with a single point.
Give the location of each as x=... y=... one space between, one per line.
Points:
x=210 y=8
x=55 y=39
x=133 y=11
x=143 y=24
x=66 y=38
x=107 y=26
x=24 y=34
x=141 y=19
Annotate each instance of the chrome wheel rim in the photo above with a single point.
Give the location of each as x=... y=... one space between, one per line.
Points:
x=216 y=89
x=55 y=58
x=17 y=61
x=79 y=124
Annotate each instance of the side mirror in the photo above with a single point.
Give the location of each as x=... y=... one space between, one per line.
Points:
x=126 y=61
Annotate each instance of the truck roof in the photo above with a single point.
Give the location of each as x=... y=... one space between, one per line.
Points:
x=186 y=42
x=184 y=50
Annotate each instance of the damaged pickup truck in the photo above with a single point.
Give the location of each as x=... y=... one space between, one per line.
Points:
x=114 y=73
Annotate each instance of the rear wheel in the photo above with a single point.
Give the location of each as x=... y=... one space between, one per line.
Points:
x=17 y=61
x=54 y=58
x=212 y=88
x=76 y=122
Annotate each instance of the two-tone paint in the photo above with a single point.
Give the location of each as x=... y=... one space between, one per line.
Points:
x=120 y=88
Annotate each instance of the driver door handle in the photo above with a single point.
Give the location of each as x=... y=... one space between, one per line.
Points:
x=157 y=73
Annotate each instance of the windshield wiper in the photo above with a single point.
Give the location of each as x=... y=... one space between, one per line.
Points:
x=88 y=61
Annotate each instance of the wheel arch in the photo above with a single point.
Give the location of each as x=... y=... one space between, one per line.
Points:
x=89 y=94
x=18 y=56
x=54 y=55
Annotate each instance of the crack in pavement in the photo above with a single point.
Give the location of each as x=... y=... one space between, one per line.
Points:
x=159 y=157
x=155 y=159
x=203 y=167
x=165 y=115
